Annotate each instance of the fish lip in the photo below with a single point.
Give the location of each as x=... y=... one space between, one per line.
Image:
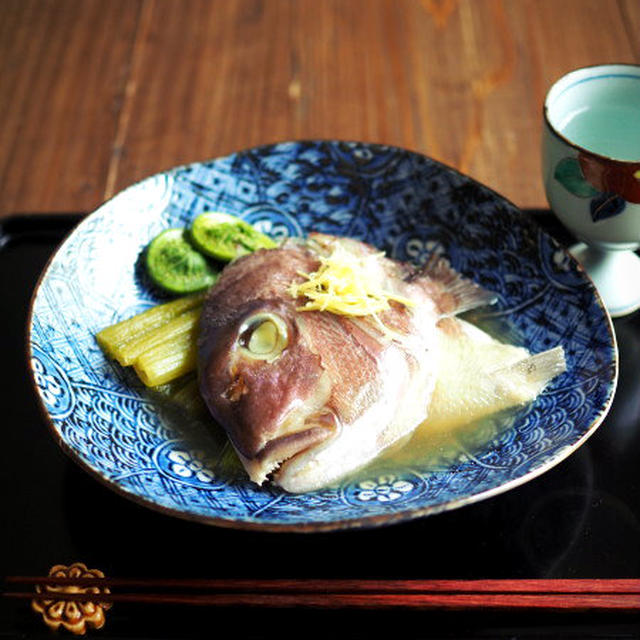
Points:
x=276 y=454
x=326 y=421
x=300 y=436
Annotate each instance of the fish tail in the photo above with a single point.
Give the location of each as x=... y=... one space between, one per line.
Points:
x=457 y=293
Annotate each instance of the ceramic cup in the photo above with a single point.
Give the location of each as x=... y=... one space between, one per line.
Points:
x=591 y=170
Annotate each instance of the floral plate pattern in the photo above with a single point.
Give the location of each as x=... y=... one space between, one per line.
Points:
x=397 y=200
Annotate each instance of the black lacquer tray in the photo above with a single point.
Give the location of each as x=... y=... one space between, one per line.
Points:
x=579 y=520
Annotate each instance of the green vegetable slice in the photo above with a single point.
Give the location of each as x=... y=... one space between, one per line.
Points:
x=176 y=266
x=225 y=237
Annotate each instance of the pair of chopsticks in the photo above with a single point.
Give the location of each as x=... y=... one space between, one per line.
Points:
x=568 y=595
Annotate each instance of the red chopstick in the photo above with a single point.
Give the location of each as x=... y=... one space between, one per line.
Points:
x=576 y=594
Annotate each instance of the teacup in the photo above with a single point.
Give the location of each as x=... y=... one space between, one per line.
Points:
x=591 y=170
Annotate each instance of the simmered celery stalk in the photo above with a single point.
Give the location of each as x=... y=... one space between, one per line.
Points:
x=159 y=343
x=184 y=323
x=169 y=360
x=115 y=338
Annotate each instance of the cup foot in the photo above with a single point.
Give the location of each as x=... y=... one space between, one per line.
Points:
x=616 y=275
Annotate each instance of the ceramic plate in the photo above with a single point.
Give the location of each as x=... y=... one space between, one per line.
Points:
x=399 y=201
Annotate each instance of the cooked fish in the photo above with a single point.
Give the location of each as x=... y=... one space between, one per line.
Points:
x=307 y=395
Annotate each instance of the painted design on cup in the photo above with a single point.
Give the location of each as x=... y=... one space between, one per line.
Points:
x=612 y=176
x=593 y=178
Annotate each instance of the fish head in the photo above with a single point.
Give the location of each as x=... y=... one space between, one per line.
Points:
x=306 y=395
x=265 y=385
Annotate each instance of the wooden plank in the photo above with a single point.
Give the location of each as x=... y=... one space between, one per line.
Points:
x=223 y=85
x=63 y=69
x=461 y=81
x=96 y=95
x=554 y=38
x=497 y=60
x=257 y=72
x=630 y=11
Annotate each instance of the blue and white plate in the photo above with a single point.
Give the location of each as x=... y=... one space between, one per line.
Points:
x=400 y=201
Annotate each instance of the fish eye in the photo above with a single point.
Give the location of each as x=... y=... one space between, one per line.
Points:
x=263 y=336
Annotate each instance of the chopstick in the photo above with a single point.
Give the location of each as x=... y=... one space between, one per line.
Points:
x=571 y=594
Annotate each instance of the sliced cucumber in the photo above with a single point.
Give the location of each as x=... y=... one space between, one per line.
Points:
x=225 y=237
x=176 y=266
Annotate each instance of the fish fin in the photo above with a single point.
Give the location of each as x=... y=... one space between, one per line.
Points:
x=523 y=380
x=457 y=293
x=487 y=393
x=539 y=368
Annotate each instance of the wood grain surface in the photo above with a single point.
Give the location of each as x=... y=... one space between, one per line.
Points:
x=97 y=94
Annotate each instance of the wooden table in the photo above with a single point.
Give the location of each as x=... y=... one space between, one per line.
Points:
x=96 y=94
